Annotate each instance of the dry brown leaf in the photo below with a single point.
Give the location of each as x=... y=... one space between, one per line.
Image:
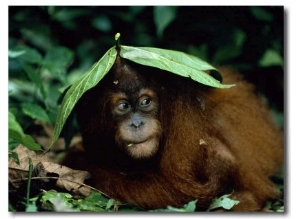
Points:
x=44 y=170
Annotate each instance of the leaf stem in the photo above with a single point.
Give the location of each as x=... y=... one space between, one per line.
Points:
x=117 y=39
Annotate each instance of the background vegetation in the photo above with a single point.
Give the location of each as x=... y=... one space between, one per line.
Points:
x=50 y=47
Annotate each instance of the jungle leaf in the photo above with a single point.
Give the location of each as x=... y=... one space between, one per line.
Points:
x=163 y=16
x=24 y=139
x=15 y=54
x=223 y=202
x=29 y=55
x=271 y=58
x=86 y=82
x=173 y=61
x=34 y=76
x=16 y=133
x=35 y=111
x=13 y=124
x=57 y=60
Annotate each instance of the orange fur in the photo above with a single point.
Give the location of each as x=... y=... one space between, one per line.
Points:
x=213 y=141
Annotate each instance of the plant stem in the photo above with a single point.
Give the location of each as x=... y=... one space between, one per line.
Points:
x=117 y=39
x=29 y=181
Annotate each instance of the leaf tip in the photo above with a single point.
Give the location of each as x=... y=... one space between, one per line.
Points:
x=117 y=39
x=226 y=86
x=117 y=36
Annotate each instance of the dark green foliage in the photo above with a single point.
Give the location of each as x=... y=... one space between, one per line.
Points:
x=51 y=47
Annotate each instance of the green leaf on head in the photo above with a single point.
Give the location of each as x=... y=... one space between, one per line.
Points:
x=175 y=62
x=90 y=79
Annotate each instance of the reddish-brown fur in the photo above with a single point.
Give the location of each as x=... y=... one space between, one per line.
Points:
x=213 y=141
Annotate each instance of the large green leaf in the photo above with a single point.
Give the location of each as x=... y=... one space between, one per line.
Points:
x=86 y=82
x=173 y=61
